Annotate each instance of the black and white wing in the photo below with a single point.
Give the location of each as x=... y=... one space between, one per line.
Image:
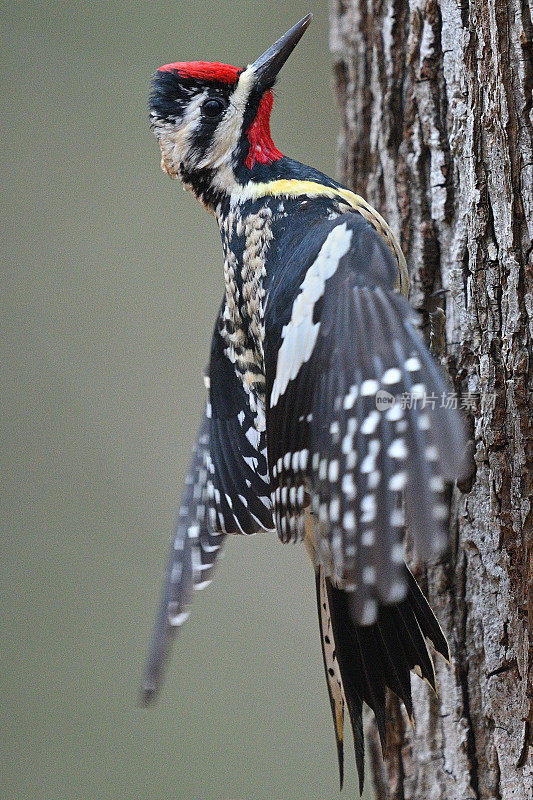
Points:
x=348 y=430
x=238 y=483
x=226 y=491
x=193 y=554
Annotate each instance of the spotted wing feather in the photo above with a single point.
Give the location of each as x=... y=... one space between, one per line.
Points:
x=238 y=483
x=345 y=339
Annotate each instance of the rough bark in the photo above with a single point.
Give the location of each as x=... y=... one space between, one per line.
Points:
x=436 y=98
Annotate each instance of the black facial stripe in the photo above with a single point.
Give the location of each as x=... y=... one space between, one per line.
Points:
x=201 y=180
x=170 y=92
x=202 y=137
x=252 y=104
x=241 y=151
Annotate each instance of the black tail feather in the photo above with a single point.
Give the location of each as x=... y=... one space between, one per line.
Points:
x=355 y=711
x=378 y=657
x=426 y=618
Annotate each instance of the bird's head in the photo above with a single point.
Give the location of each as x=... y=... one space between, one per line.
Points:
x=212 y=120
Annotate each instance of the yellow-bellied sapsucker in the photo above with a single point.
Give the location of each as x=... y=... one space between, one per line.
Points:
x=300 y=434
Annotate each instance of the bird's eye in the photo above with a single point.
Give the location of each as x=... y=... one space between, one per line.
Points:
x=213 y=108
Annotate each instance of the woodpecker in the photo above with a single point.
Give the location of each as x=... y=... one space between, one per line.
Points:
x=301 y=433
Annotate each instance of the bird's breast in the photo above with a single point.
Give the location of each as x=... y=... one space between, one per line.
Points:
x=246 y=239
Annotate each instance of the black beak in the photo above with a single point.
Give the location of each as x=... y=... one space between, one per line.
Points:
x=267 y=66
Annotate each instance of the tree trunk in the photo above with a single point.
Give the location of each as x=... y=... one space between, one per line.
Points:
x=436 y=97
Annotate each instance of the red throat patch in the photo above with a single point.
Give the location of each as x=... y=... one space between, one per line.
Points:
x=262 y=148
x=204 y=70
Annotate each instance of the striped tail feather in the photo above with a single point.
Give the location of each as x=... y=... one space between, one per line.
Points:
x=373 y=658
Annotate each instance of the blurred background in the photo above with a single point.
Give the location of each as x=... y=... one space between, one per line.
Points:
x=112 y=278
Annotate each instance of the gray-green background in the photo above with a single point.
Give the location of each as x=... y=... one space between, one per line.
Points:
x=112 y=276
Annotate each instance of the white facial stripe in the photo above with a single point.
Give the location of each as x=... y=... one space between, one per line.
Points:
x=175 y=142
x=228 y=129
x=300 y=334
x=245 y=84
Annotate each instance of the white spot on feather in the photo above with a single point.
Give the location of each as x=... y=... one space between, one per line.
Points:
x=368 y=507
x=369 y=387
x=334 y=429
x=349 y=520
x=369 y=614
x=351 y=397
x=397 y=592
x=397 y=481
x=396 y=554
x=351 y=460
x=348 y=486
x=333 y=471
x=369 y=462
x=391 y=376
x=347 y=444
x=424 y=422
x=394 y=413
x=432 y=454
x=397 y=449
x=178 y=619
x=373 y=479
x=412 y=364
x=397 y=518
x=369 y=575
x=436 y=483
x=368 y=538
x=351 y=426
x=370 y=423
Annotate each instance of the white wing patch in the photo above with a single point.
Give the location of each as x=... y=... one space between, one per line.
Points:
x=300 y=334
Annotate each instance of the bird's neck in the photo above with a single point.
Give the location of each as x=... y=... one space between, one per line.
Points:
x=262 y=149
x=231 y=184
x=255 y=158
